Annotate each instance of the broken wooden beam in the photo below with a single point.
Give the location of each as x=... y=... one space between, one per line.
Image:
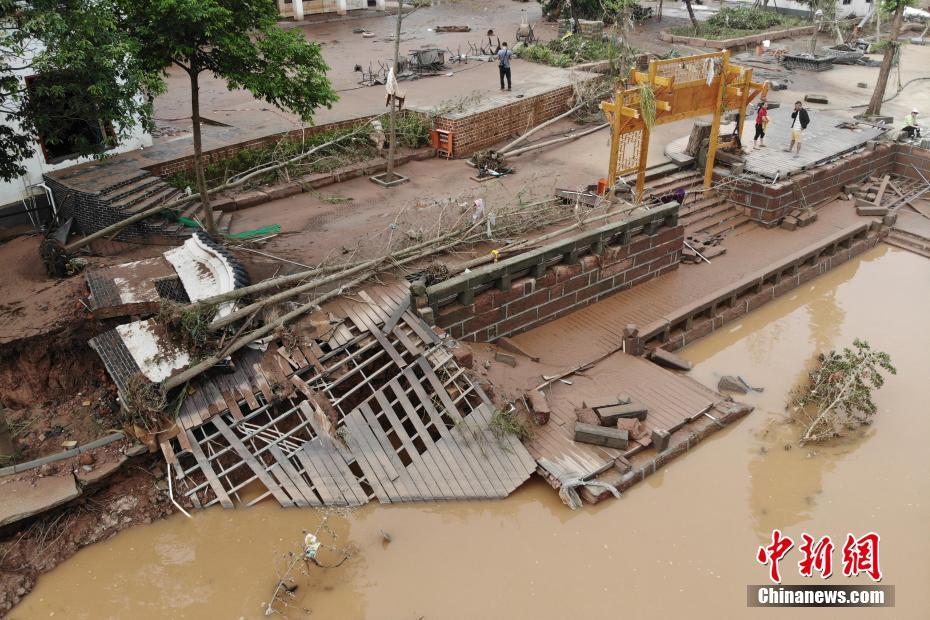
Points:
x=601 y=436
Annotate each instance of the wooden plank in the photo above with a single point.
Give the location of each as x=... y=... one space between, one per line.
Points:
x=392 y=320
x=298 y=357
x=323 y=457
x=503 y=449
x=405 y=340
x=303 y=386
x=252 y=462
x=287 y=358
x=291 y=471
x=317 y=452
x=361 y=321
x=519 y=455
x=421 y=329
x=351 y=487
x=207 y=470
x=493 y=466
x=262 y=383
x=389 y=348
x=284 y=479
x=393 y=465
x=246 y=389
x=429 y=487
x=441 y=466
x=316 y=477
x=475 y=476
x=881 y=190
x=366 y=451
x=375 y=306
x=230 y=395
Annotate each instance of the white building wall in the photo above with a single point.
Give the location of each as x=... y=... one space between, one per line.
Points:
x=36 y=166
x=855 y=7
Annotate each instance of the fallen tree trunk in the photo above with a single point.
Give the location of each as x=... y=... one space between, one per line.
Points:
x=269 y=328
x=529 y=133
x=303 y=275
x=568 y=138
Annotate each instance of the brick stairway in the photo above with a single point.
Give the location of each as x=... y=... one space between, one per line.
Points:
x=700 y=212
x=144 y=191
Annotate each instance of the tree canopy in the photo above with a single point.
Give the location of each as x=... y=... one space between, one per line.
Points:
x=237 y=40
x=88 y=73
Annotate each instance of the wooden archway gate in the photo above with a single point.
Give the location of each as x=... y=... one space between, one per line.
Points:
x=684 y=88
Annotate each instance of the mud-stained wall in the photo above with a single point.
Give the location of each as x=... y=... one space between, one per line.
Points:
x=768 y=203
x=712 y=312
x=514 y=295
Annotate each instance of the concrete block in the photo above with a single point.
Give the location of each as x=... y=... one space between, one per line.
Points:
x=609 y=414
x=816 y=99
x=601 y=436
x=505 y=358
x=872 y=211
x=660 y=439
x=789 y=223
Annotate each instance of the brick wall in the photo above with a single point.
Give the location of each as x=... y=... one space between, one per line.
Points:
x=768 y=203
x=473 y=131
x=93 y=213
x=181 y=164
x=907 y=158
x=560 y=289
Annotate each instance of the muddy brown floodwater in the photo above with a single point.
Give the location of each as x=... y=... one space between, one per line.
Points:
x=682 y=543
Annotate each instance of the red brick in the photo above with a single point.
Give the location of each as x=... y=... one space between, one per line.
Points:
x=554 y=306
x=525 y=303
x=616 y=268
x=564 y=272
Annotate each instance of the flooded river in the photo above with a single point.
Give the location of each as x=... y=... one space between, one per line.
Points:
x=682 y=543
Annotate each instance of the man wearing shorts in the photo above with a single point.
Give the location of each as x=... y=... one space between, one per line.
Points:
x=799 y=122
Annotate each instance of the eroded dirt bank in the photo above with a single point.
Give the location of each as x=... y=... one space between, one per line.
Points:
x=682 y=544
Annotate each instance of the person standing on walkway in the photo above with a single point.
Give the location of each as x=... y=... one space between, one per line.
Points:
x=911 y=128
x=762 y=120
x=503 y=58
x=799 y=122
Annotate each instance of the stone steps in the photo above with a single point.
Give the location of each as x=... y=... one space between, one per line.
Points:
x=909 y=241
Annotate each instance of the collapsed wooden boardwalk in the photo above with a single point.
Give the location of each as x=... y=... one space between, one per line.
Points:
x=373 y=408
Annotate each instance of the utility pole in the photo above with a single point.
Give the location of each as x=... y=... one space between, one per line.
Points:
x=392 y=148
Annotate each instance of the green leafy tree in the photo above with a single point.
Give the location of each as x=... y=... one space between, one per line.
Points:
x=838 y=393
x=891 y=47
x=86 y=88
x=238 y=41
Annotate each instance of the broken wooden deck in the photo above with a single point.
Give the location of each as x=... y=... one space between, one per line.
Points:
x=673 y=400
x=375 y=407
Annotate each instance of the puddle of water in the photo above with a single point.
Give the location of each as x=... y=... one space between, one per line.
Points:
x=682 y=543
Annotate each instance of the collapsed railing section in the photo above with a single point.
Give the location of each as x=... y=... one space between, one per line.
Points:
x=375 y=409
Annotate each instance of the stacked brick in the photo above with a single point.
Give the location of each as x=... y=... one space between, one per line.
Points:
x=492 y=122
x=768 y=203
x=563 y=288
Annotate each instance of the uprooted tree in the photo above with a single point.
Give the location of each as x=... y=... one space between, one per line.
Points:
x=838 y=394
x=238 y=41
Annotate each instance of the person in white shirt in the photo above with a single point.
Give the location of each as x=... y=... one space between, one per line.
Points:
x=799 y=122
x=910 y=124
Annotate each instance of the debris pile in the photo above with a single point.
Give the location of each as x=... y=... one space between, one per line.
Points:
x=799 y=218
x=701 y=246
